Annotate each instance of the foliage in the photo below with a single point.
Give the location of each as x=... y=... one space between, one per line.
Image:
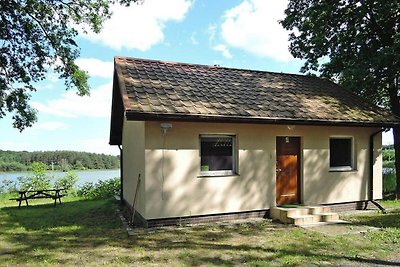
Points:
x=38 y=35
x=38 y=180
x=102 y=189
x=356 y=43
x=68 y=181
x=57 y=160
x=7 y=186
x=388 y=154
x=389 y=182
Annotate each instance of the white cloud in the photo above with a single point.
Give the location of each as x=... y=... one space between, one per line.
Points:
x=387 y=138
x=212 y=32
x=223 y=49
x=193 y=39
x=140 y=26
x=96 y=67
x=98 y=145
x=98 y=104
x=49 y=126
x=42 y=127
x=253 y=26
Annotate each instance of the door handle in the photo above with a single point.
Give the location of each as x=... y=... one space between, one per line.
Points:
x=278 y=170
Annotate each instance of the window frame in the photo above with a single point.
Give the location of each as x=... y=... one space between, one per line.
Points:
x=235 y=153
x=344 y=168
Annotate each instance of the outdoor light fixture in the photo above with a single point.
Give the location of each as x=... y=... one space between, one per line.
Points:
x=165 y=127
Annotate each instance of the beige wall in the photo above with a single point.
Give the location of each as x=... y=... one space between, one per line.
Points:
x=323 y=186
x=377 y=160
x=174 y=188
x=133 y=163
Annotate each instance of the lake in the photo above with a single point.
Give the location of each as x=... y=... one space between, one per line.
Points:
x=84 y=176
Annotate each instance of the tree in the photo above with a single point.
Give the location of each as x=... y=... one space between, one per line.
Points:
x=39 y=35
x=356 y=43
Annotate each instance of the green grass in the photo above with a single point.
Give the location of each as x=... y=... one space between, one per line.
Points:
x=82 y=232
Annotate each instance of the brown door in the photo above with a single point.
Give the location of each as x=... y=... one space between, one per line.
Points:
x=287 y=170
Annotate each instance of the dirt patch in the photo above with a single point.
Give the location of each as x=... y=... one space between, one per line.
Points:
x=342 y=229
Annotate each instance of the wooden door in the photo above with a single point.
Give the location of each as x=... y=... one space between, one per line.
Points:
x=287 y=170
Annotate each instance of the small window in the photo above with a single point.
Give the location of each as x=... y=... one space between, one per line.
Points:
x=218 y=155
x=341 y=154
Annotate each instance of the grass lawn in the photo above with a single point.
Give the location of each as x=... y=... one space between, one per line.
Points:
x=82 y=232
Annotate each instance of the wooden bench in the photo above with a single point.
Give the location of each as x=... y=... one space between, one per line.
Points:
x=25 y=195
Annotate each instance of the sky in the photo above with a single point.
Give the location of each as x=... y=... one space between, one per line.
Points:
x=231 y=33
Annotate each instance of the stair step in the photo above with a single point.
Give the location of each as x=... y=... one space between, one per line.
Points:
x=319 y=209
x=301 y=219
x=304 y=215
x=328 y=216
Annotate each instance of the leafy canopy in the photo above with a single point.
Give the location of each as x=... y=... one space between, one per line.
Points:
x=37 y=36
x=355 y=42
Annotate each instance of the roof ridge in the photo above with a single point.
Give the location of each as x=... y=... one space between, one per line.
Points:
x=221 y=67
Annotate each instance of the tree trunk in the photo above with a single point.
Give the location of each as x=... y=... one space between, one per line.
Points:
x=396 y=138
x=395 y=107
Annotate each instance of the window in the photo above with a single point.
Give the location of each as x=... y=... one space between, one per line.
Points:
x=341 y=154
x=218 y=155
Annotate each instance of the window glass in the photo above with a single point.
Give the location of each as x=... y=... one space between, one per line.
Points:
x=217 y=154
x=341 y=153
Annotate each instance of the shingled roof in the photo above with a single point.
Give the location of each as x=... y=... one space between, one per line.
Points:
x=158 y=90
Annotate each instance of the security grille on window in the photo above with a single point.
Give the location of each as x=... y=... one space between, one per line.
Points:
x=217 y=155
x=341 y=154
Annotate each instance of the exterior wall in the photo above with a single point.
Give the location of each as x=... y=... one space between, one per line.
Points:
x=321 y=186
x=377 y=161
x=133 y=161
x=175 y=189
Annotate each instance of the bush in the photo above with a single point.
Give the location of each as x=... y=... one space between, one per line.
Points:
x=68 y=181
x=389 y=182
x=8 y=186
x=38 y=181
x=102 y=189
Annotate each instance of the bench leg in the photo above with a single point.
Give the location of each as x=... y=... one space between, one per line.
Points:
x=26 y=199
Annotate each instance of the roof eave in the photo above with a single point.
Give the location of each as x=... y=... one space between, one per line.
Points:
x=140 y=116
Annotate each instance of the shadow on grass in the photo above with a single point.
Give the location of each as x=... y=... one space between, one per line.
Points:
x=71 y=226
x=391 y=219
x=67 y=233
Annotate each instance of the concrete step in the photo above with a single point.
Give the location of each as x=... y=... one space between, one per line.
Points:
x=303 y=215
x=318 y=209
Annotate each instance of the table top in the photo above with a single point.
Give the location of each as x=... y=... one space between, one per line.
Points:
x=40 y=190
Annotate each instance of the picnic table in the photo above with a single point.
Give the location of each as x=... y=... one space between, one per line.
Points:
x=25 y=195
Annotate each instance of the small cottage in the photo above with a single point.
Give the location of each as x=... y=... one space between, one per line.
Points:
x=209 y=142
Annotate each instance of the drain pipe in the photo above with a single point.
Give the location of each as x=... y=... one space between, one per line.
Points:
x=121 y=169
x=371 y=171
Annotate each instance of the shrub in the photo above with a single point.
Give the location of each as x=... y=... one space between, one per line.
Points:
x=68 y=181
x=102 y=189
x=8 y=186
x=38 y=181
x=389 y=182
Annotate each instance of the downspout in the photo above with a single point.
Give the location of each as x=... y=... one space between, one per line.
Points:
x=371 y=171
x=121 y=169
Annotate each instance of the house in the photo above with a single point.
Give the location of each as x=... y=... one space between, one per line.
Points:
x=210 y=142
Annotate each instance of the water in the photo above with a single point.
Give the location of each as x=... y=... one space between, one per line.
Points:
x=84 y=176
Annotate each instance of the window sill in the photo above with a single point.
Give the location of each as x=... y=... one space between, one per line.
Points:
x=217 y=175
x=342 y=169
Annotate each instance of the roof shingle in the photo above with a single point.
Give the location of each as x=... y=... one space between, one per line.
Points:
x=168 y=90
